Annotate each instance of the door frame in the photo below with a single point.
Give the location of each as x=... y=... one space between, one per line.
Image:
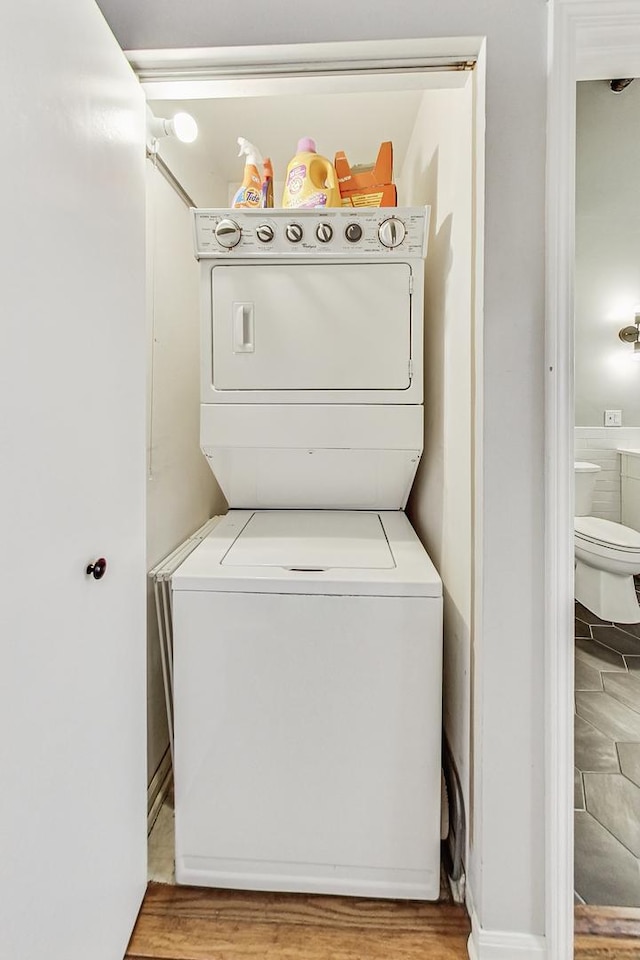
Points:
x=588 y=40
x=426 y=63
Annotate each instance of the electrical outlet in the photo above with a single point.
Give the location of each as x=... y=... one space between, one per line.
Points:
x=613 y=418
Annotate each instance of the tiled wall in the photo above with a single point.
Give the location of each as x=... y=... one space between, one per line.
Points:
x=600 y=445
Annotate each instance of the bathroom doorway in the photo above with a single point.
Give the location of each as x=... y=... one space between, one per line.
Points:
x=597 y=43
x=607 y=422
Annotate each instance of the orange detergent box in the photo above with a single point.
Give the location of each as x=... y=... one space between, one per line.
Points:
x=367 y=185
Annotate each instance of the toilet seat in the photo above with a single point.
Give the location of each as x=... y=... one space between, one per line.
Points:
x=607 y=559
x=594 y=532
x=607 y=556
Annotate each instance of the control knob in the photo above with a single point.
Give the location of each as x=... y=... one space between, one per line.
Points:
x=392 y=232
x=353 y=232
x=293 y=232
x=324 y=232
x=264 y=233
x=228 y=233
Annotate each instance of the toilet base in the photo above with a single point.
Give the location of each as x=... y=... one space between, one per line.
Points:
x=609 y=595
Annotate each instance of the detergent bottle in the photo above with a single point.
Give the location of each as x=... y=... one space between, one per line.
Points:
x=267 y=184
x=311 y=179
x=250 y=193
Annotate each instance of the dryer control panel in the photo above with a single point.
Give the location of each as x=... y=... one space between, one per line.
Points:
x=336 y=233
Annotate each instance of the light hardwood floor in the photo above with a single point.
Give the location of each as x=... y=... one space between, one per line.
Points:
x=607 y=932
x=606 y=948
x=190 y=923
x=180 y=923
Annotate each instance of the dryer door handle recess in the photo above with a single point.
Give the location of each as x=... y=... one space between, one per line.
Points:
x=243 y=328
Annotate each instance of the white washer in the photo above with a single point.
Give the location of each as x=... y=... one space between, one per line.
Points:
x=307 y=671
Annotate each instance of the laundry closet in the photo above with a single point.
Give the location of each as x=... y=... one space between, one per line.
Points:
x=429 y=117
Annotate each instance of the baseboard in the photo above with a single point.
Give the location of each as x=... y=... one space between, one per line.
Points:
x=158 y=789
x=502 y=944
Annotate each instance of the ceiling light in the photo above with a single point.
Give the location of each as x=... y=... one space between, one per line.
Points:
x=182 y=126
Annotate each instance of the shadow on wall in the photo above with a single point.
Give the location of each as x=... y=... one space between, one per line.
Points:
x=425 y=507
x=439 y=506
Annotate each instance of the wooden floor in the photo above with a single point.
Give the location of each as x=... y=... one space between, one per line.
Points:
x=607 y=933
x=190 y=923
x=181 y=923
x=606 y=948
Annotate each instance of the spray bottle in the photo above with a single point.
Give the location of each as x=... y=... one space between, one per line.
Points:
x=250 y=193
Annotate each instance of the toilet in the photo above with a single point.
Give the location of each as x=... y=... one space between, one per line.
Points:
x=607 y=556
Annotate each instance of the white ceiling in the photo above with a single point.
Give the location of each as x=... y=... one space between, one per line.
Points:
x=354 y=122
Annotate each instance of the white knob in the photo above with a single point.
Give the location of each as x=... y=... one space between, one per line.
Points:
x=228 y=233
x=392 y=232
x=265 y=233
x=293 y=232
x=324 y=232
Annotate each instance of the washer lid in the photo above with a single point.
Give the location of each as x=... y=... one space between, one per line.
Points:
x=306 y=540
x=344 y=552
x=604 y=532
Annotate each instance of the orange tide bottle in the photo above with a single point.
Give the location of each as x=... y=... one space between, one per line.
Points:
x=249 y=194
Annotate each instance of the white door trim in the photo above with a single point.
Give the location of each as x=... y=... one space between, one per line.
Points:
x=588 y=39
x=212 y=72
x=204 y=65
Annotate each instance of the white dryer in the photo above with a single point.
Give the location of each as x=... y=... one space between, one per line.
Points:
x=312 y=355
x=308 y=625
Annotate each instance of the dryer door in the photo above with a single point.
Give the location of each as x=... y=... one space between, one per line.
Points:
x=311 y=326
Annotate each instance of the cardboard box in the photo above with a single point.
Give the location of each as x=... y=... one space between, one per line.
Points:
x=367 y=185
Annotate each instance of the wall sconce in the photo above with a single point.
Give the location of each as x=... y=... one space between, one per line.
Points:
x=631 y=334
x=182 y=126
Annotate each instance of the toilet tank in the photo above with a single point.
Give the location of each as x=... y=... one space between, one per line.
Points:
x=585 y=480
x=630 y=487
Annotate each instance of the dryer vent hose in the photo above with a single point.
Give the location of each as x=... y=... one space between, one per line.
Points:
x=454 y=841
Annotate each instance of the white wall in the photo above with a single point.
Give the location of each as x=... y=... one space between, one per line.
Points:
x=438 y=171
x=181 y=490
x=607 y=251
x=201 y=180
x=507 y=831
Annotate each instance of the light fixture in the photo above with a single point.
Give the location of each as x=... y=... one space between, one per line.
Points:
x=182 y=126
x=631 y=334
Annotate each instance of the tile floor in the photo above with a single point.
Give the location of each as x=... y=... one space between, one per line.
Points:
x=161 y=860
x=607 y=758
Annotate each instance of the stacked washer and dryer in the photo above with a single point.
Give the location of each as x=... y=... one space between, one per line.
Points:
x=308 y=625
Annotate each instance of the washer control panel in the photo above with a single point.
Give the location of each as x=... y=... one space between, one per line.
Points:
x=336 y=232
